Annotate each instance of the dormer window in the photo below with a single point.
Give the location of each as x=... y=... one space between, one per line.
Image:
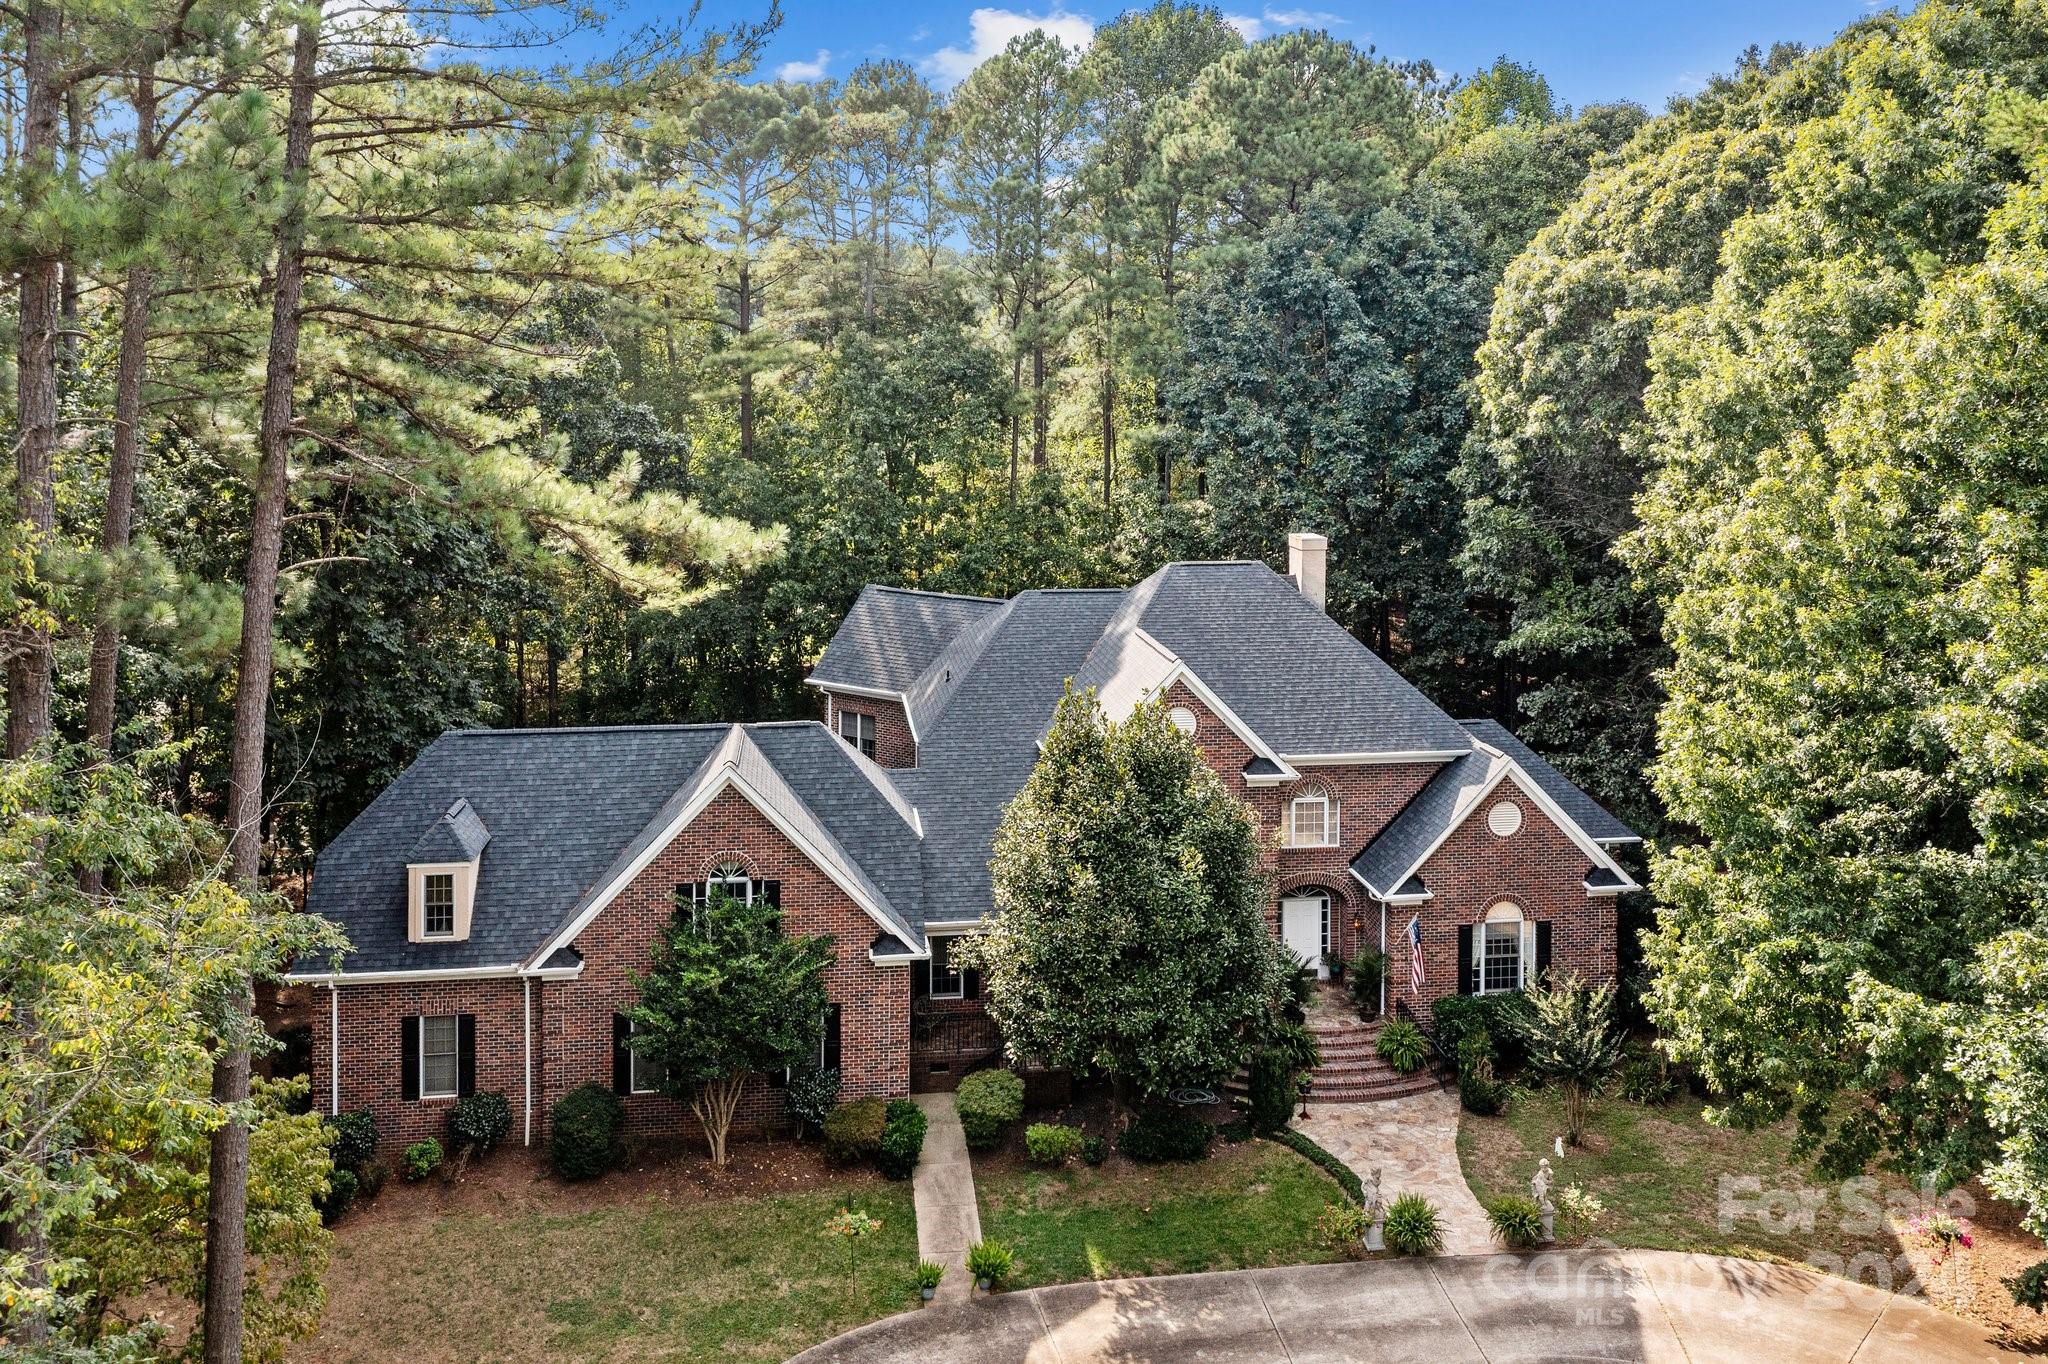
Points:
x=858 y=730
x=441 y=875
x=437 y=904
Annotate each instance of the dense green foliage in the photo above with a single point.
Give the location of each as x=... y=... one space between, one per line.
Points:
x=853 y=1131
x=903 y=1128
x=1402 y=1046
x=1569 y=1040
x=1166 y=1132
x=583 y=1132
x=1516 y=1221
x=730 y=994
x=1414 y=1226
x=1051 y=1143
x=1310 y=1149
x=1128 y=937
x=988 y=1102
x=1272 y=1085
x=480 y=1121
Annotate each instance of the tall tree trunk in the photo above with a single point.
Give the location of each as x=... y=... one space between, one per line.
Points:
x=746 y=326
x=74 y=139
x=1108 y=397
x=130 y=371
x=35 y=505
x=1039 y=421
x=227 y=1192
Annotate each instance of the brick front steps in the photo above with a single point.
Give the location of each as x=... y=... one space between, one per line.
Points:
x=1352 y=1071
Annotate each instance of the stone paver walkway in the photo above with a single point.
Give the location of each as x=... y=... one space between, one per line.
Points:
x=948 y=1217
x=1413 y=1142
x=1652 y=1306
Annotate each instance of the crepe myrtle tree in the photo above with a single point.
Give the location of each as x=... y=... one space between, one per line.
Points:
x=730 y=995
x=1128 y=935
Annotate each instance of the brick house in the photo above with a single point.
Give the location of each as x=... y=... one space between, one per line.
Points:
x=500 y=893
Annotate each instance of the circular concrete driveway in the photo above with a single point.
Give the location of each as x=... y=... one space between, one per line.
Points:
x=1566 y=1305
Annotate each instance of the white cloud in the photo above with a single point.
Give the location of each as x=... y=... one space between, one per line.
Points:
x=990 y=31
x=812 y=70
x=1249 y=27
x=1303 y=18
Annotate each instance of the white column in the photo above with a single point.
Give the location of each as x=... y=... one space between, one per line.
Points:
x=526 y=1132
x=334 y=1047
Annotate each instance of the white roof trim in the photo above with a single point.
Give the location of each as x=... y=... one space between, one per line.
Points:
x=1608 y=892
x=1391 y=899
x=728 y=777
x=512 y=972
x=1510 y=769
x=875 y=693
x=974 y=925
x=1181 y=672
x=1415 y=755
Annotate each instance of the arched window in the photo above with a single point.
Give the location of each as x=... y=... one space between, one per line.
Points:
x=1312 y=817
x=1502 y=960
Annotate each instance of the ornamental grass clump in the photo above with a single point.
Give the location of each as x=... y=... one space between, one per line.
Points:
x=1516 y=1221
x=1413 y=1226
x=1403 y=1046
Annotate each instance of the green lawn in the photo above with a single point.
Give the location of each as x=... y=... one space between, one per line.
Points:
x=746 y=1278
x=1659 y=1172
x=1249 y=1205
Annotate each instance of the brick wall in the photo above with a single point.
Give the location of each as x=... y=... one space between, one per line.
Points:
x=1537 y=867
x=572 y=1025
x=893 y=744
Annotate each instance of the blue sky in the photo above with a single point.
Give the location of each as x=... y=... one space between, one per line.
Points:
x=1591 y=50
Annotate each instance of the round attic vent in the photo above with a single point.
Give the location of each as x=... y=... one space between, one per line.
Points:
x=1504 y=818
x=1183 y=720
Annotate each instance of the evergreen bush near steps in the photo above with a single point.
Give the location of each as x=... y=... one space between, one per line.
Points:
x=903 y=1128
x=1271 y=1087
x=1414 y=1227
x=583 y=1132
x=988 y=1102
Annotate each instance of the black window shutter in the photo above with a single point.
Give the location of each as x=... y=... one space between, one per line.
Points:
x=831 y=1048
x=1466 y=966
x=920 y=979
x=465 y=1055
x=409 y=1056
x=771 y=891
x=622 y=1056
x=1542 y=950
x=970 y=985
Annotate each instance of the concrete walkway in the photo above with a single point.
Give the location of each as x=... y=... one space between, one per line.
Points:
x=1565 y=1305
x=948 y=1218
x=1413 y=1143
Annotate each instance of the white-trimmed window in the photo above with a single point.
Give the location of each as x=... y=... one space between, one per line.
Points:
x=948 y=982
x=1312 y=821
x=643 y=1074
x=858 y=730
x=440 y=1056
x=437 y=904
x=1502 y=958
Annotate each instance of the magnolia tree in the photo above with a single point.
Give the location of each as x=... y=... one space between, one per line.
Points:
x=731 y=995
x=1129 y=933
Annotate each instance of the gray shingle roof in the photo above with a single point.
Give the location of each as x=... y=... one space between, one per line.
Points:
x=1295 y=677
x=567 y=806
x=1436 y=808
x=457 y=836
x=891 y=635
x=1586 y=812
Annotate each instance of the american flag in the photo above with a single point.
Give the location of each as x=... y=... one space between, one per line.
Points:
x=1416 y=975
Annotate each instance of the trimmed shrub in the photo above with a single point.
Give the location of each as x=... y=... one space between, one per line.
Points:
x=371 y=1177
x=1517 y=1221
x=990 y=1261
x=1414 y=1227
x=1271 y=1087
x=422 y=1158
x=1052 y=1143
x=1094 y=1150
x=989 y=1101
x=903 y=1126
x=340 y=1195
x=853 y=1132
x=351 y=1138
x=1403 y=1046
x=480 y=1121
x=1346 y=1177
x=1163 y=1133
x=1480 y=1093
x=1453 y=1018
x=583 y=1131
x=811 y=1094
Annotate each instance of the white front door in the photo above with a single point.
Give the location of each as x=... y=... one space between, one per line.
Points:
x=1305 y=927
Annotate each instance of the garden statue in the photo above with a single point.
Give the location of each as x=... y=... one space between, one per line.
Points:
x=1369 y=1198
x=1539 y=1194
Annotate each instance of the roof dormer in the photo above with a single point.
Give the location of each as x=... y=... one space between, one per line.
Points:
x=440 y=876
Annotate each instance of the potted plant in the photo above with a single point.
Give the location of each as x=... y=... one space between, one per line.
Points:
x=1333 y=962
x=929 y=1272
x=990 y=1262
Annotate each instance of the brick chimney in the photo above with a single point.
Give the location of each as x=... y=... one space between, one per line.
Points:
x=1308 y=562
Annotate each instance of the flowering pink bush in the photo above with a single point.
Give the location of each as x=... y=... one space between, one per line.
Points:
x=1941 y=1232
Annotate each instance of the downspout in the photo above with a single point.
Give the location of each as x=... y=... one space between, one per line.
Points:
x=526 y=1031
x=334 y=1047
